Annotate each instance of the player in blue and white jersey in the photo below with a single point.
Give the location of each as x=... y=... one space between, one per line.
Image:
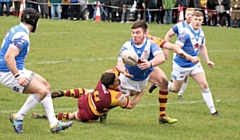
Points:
x=192 y=41
x=177 y=29
x=150 y=56
x=13 y=75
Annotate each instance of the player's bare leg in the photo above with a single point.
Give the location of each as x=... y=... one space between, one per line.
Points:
x=158 y=77
x=183 y=88
x=200 y=78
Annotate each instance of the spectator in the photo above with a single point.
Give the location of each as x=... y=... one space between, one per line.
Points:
x=35 y=5
x=7 y=4
x=65 y=9
x=221 y=12
x=160 y=12
x=203 y=6
x=55 y=8
x=44 y=8
x=175 y=12
x=212 y=15
x=235 y=4
x=151 y=10
x=126 y=5
x=227 y=8
x=184 y=3
x=91 y=4
x=140 y=11
x=107 y=9
x=74 y=10
x=167 y=6
x=116 y=12
x=17 y=4
x=49 y=9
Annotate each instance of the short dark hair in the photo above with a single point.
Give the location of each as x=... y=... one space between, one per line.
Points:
x=140 y=24
x=107 y=79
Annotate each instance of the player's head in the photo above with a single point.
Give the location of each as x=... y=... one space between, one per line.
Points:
x=188 y=14
x=197 y=19
x=109 y=80
x=139 y=31
x=30 y=16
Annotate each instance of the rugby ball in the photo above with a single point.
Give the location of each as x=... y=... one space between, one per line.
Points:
x=129 y=57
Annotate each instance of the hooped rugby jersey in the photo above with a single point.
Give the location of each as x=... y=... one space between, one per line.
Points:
x=103 y=99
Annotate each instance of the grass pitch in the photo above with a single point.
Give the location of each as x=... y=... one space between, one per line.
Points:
x=71 y=54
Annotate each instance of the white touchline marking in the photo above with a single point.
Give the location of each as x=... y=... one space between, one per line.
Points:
x=102 y=59
x=138 y=105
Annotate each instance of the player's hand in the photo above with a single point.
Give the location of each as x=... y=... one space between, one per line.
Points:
x=22 y=80
x=166 y=53
x=181 y=53
x=210 y=64
x=195 y=59
x=127 y=74
x=144 y=64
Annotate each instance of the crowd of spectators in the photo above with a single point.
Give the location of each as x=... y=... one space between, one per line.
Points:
x=222 y=13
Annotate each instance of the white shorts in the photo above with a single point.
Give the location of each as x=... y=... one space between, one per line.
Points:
x=128 y=85
x=8 y=80
x=180 y=73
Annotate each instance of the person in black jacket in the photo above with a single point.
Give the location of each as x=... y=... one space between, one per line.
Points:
x=116 y=11
x=107 y=9
x=151 y=10
x=140 y=10
x=126 y=6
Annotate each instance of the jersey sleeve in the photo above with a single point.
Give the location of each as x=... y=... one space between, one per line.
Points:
x=182 y=38
x=155 y=48
x=175 y=29
x=118 y=99
x=114 y=70
x=20 y=40
x=124 y=47
x=160 y=42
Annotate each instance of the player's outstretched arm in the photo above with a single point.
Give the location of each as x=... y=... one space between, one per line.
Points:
x=167 y=37
x=132 y=103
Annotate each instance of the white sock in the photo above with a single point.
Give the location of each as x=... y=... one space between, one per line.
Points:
x=30 y=103
x=207 y=96
x=48 y=106
x=169 y=85
x=183 y=88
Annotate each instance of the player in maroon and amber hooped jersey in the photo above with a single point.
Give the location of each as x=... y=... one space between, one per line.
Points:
x=96 y=103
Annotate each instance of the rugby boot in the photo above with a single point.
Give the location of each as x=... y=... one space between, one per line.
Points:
x=17 y=124
x=57 y=94
x=60 y=126
x=166 y=119
x=39 y=116
x=151 y=88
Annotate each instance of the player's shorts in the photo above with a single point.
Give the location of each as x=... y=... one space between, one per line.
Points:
x=180 y=73
x=128 y=85
x=84 y=113
x=8 y=80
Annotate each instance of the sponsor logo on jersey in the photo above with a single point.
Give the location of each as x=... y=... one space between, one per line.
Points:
x=181 y=39
x=196 y=45
x=118 y=95
x=122 y=99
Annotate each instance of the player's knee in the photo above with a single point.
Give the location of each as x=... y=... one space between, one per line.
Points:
x=204 y=86
x=163 y=83
x=175 y=90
